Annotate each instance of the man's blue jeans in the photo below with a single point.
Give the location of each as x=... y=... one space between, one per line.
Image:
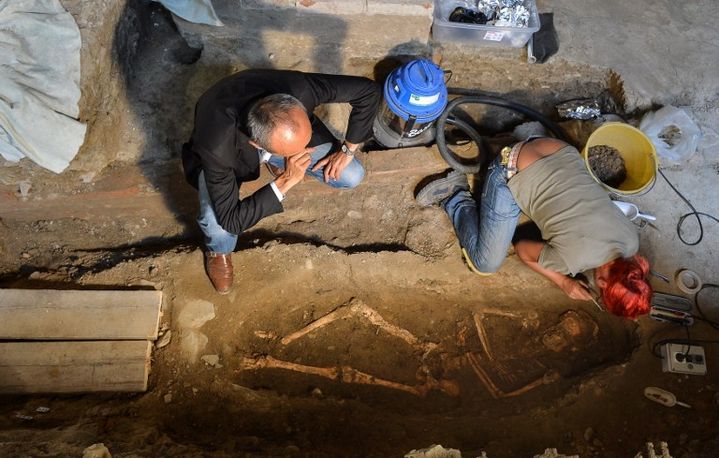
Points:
x=220 y=241
x=486 y=236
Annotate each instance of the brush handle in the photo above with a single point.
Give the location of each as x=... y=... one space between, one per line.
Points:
x=647 y=216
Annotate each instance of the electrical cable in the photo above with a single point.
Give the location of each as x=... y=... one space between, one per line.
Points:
x=702 y=316
x=694 y=212
x=711 y=323
x=681 y=342
x=680 y=223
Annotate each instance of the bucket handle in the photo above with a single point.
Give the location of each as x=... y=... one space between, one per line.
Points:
x=447 y=76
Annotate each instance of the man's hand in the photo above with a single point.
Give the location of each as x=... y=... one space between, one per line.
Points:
x=295 y=168
x=575 y=289
x=334 y=164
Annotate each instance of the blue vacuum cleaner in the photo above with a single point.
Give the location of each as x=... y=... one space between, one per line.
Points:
x=415 y=95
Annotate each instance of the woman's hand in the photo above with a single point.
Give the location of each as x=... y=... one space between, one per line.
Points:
x=575 y=289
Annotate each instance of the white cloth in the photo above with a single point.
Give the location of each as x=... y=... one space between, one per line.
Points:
x=39 y=83
x=265 y=157
x=199 y=11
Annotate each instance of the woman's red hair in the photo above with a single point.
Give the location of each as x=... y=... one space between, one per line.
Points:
x=628 y=293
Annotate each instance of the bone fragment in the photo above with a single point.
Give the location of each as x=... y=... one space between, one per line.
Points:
x=336 y=314
x=357 y=308
x=482 y=333
x=498 y=312
x=348 y=374
x=268 y=362
x=495 y=391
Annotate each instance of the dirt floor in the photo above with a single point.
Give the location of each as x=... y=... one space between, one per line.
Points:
x=354 y=328
x=551 y=372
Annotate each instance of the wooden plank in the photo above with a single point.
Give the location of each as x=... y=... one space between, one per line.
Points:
x=43 y=314
x=74 y=367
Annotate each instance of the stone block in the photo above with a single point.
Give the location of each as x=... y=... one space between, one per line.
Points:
x=338 y=7
x=290 y=38
x=401 y=8
x=195 y=313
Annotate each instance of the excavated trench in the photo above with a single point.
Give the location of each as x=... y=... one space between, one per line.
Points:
x=354 y=328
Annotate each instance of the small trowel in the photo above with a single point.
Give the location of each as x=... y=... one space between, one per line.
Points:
x=663 y=397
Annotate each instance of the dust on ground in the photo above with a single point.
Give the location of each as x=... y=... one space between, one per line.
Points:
x=553 y=372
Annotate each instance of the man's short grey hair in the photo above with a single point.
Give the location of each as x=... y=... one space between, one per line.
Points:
x=271 y=112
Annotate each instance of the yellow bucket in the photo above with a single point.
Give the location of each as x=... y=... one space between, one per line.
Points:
x=640 y=157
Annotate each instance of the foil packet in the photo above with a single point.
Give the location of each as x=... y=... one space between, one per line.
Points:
x=510 y=3
x=582 y=109
x=517 y=16
x=487 y=7
x=504 y=13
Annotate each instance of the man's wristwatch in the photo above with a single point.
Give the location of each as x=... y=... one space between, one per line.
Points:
x=347 y=150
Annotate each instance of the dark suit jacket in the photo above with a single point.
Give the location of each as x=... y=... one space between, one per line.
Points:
x=219 y=143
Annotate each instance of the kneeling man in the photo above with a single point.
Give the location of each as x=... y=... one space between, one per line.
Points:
x=266 y=116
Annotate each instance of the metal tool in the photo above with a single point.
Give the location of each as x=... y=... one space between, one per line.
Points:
x=662 y=277
x=531 y=58
x=599 y=306
x=663 y=397
x=632 y=212
x=586 y=286
x=669 y=315
x=671 y=302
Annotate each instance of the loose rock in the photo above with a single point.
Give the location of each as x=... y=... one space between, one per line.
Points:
x=192 y=343
x=211 y=360
x=164 y=340
x=195 y=313
x=434 y=451
x=96 y=451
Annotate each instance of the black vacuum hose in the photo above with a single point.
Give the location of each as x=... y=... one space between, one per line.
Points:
x=466 y=165
x=473 y=166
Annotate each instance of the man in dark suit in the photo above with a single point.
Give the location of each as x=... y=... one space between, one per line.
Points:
x=266 y=116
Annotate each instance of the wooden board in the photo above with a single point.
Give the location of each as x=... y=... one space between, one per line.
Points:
x=42 y=314
x=74 y=367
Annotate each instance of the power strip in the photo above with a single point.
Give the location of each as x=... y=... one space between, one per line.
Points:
x=683 y=359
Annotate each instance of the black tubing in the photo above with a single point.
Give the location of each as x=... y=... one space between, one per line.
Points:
x=461 y=164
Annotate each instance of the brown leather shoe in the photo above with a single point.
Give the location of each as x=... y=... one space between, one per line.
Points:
x=219 y=269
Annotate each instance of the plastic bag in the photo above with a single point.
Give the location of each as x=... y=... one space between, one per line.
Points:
x=673 y=132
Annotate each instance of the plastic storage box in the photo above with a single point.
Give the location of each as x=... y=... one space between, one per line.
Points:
x=482 y=35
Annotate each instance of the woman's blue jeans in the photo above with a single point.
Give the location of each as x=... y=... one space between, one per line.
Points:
x=220 y=241
x=486 y=236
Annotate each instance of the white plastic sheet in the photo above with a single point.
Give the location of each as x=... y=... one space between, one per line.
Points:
x=673 y=132
x=39 y=83
x=199 y=11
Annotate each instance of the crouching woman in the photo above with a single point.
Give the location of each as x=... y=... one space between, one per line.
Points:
x=582 y=230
